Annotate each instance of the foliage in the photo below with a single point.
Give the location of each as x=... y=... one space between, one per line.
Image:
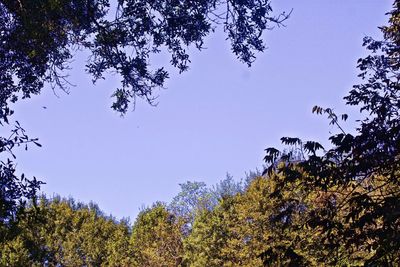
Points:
x=156 y=238
x=360 y=171
x=226 y=187
x=61 y=232
x=193 y=197
x=15 y=189
x=38 y=39
x=210 y=233
x=242 y=227
x=196 y=197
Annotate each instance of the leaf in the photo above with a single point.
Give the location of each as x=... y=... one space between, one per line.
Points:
x=312 y=146
x=272 y=154
x=317 y=110
x=290 y=141
x=36 y=143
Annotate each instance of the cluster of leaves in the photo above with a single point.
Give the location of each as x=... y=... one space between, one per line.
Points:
x=361 y=172
x=15 y=188
x=39 y=37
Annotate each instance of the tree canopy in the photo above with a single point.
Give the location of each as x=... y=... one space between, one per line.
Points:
x=359 y=175
x=38 y=38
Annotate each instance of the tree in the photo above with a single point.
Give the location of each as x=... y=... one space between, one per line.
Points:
x=193 y=197
x=210 y=234
x=196 y=197
x=226 y=187
x=61 y=232
x=243 y=226
x=362 y=170
x=157 y=239
x=14 y=189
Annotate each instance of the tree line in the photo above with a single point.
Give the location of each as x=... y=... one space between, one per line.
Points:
x=230 y=224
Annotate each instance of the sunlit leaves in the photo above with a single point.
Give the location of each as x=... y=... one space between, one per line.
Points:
x=156 y=238
x=63 y=232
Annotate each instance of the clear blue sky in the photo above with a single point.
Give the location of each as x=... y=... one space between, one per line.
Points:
x=217 y=118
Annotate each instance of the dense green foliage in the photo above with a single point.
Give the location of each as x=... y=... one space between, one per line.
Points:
x=246 y=228
x=60 y=232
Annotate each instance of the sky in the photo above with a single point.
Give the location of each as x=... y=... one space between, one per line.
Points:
x=217 y=118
